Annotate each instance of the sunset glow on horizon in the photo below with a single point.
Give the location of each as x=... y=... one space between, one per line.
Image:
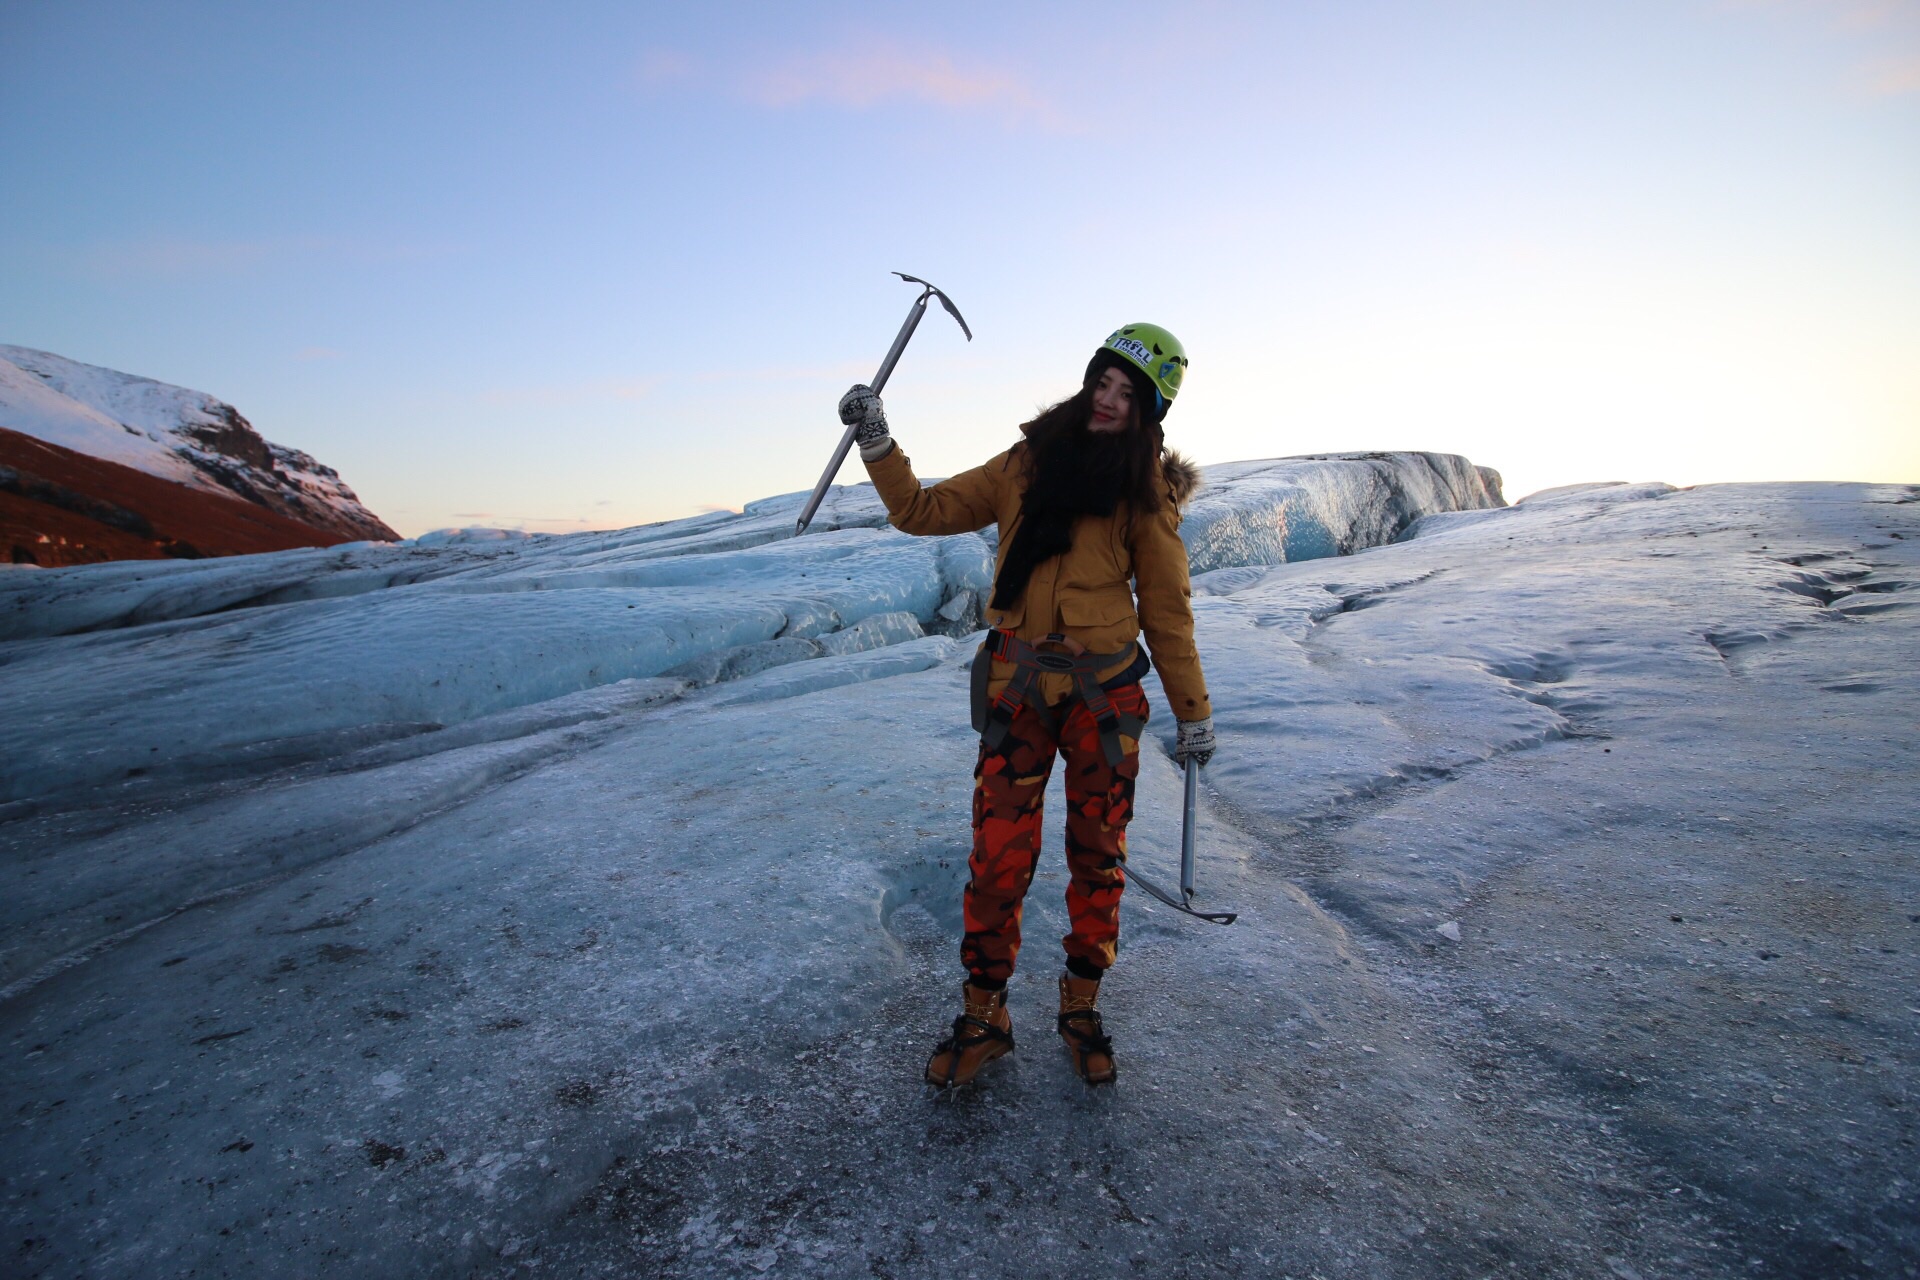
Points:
x=596 y=265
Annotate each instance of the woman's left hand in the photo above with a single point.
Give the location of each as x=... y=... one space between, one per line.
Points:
x=862 y=409
x=1194 y=741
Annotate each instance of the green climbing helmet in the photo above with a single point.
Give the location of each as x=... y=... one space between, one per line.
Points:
x=1154 y=352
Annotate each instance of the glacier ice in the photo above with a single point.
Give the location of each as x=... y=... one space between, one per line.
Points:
x=1292 y=509
x=330 y=649
x=637 y=977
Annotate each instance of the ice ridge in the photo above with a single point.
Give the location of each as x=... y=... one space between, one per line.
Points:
x=205 y=668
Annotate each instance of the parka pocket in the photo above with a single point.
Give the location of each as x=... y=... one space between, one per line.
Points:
x=1096 y=608
x=1102 y=620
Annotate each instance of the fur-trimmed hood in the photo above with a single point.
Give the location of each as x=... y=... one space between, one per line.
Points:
x=1182 y=477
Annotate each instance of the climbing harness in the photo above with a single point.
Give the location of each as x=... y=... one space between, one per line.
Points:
x=1056 y=654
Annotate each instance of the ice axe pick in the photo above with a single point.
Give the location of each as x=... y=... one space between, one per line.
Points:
x=879 y=380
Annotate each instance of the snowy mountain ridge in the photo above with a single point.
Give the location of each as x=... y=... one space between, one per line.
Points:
x=176 y=434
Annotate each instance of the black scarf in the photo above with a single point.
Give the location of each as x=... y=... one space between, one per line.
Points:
x=1075 y=473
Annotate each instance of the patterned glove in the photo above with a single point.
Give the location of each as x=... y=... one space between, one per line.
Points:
x=861 y=406
x=1194 y=742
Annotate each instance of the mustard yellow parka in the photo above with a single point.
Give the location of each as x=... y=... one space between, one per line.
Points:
x=1123 y=577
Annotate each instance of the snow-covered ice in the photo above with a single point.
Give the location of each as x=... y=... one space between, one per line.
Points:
x=332 y=648
x=619 y=950
x=1291 y=509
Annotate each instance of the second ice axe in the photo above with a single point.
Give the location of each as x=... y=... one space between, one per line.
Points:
x=879 y=380
x=1187 y=828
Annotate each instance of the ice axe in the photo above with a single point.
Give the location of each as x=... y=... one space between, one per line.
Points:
x=879 y=380
x=1185 y=901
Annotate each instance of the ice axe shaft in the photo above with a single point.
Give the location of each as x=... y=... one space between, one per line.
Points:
x=1186 y=829
x=841 y=450
x=1184 y=902
x=912 y=322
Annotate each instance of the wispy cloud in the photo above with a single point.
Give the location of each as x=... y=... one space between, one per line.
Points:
x=1891 y=27
x=174 y=257
x=839 y=371
x=877 y=73
x=525 y=524
x=569 y=393
x=863 y=76
x=667 y=68
x=1868 y=15
x=1893 y=77
x=179 y=257
x=1853 y=15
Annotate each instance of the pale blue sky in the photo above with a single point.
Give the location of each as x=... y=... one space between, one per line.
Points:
x=598 y=264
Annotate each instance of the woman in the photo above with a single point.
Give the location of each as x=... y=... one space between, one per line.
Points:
x=1088 y=503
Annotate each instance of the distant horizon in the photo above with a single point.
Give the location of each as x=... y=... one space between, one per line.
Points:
x=852 y=474
x=609 y=265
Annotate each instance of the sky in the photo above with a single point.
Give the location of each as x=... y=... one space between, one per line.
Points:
x=585 y=265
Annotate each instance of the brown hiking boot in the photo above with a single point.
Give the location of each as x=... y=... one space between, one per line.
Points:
x=1079 y=1024
x=982 y=1032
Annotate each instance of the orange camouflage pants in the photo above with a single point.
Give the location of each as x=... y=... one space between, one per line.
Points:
x=1010 y=783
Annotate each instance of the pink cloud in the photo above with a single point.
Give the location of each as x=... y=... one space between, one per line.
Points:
x=1853 y=15
x=664 y=68
x=1894 y=77
x=839 y=371
x=1891 y=28
x=600 y=389
x=1865 y=15
x=864 y=76
x=173 y=256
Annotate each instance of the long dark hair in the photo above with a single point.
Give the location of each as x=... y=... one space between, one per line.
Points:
x=1075 y=472
x=1141 y=443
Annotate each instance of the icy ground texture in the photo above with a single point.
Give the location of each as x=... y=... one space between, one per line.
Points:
x=332 y=649
x=184 y=436
x=640 y=981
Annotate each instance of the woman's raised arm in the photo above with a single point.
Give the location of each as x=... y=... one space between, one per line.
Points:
x=961 y=504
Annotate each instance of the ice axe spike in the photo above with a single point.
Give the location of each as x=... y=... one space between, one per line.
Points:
x=912 y=322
